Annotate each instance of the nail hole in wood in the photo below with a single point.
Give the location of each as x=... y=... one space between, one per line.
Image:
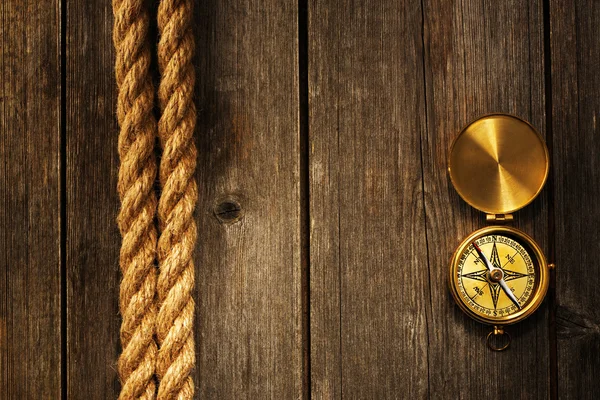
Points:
x=228 y=211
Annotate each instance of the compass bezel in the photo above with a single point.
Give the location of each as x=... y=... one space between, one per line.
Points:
x=540 y=265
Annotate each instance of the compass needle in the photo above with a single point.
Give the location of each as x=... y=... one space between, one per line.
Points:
x=509 y=293
x=495 y=273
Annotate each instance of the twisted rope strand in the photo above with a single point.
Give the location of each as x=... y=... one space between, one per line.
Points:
x=176 y=356
x=137 y=174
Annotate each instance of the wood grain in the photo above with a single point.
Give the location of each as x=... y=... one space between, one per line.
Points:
x=30 y=345
x=92 y=237
x=390 y=84
x=248 y=268
x=369 y=277
x=575 y=110
x=248 y=263
x=480 y=57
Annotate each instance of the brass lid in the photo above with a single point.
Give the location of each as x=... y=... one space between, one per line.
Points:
x=498 y=163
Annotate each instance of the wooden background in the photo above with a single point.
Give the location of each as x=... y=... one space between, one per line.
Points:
x=326 y=219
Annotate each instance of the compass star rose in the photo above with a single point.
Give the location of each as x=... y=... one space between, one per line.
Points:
x=495 y=259
x=495 y=293
x=482 y=275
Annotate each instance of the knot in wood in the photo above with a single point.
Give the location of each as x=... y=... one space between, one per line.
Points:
x=228 y=211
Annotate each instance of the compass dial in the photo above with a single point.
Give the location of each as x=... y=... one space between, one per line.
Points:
x=522 y=266
x=486 y=296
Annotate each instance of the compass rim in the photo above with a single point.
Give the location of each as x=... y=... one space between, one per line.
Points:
x=541 y=263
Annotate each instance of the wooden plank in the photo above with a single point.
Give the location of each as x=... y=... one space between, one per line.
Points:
x=480 y=57
x=248 y=263
x=369 y=277
x=575 y=56
x=30 y=334
x=248 y=328
x=92 y=203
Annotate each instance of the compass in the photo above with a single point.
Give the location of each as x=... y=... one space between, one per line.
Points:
x=498 y=275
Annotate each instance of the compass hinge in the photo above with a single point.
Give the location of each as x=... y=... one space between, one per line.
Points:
x=498 y=217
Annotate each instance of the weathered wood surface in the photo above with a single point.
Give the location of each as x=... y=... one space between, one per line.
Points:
x=248 y=262
x=389 y=86
x=480 y=57
x=369 y=277
x=92 y=203
x=575 y=113
x=248 y=326
x=375 y=277
x=30 y=276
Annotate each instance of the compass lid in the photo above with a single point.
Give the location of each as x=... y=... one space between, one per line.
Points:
x=498 y=163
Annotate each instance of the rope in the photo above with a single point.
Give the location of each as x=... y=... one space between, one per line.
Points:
x=137 y=174
x=176 y=356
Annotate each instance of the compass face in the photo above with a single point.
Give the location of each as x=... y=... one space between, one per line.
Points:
x=520 y=261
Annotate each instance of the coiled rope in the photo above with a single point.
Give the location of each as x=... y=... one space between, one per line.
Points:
x=176 y=356
x=137 y=174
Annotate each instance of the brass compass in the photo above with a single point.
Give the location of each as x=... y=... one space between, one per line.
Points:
x=498 y=275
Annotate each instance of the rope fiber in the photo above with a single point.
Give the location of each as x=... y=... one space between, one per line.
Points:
x=136 y=220
x=176 y=355
x=157 y=307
